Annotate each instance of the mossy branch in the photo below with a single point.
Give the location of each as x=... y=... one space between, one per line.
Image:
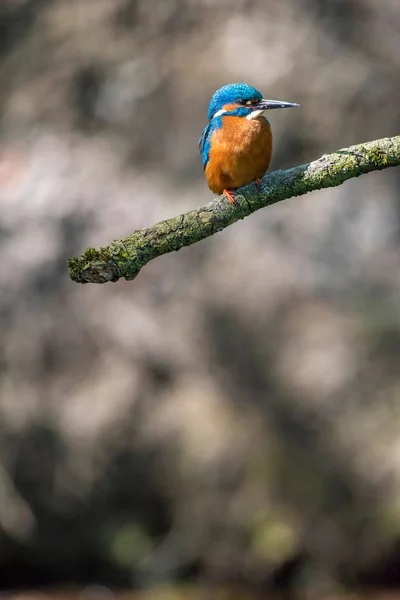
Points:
x=126 y=257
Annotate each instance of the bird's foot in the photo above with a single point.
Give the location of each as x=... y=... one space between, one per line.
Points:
x=230 y=196
x=258 y=184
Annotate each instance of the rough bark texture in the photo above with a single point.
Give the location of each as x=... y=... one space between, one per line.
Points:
x=126 y=257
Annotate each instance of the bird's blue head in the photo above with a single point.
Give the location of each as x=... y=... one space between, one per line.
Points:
x=232 y=96
x=240 y=99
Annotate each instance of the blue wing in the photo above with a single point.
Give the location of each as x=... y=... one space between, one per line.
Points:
x=205 y=143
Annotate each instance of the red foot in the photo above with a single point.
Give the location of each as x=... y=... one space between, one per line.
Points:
x=230 y=196
x=258 y=184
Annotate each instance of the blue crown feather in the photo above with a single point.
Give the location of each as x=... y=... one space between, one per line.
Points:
x=228 y=94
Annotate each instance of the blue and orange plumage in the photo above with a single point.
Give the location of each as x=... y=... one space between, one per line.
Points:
x=236 y=145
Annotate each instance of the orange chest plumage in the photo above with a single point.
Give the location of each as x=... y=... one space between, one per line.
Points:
x=240 y=152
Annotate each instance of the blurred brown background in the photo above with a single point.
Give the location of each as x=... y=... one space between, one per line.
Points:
x=231 y=417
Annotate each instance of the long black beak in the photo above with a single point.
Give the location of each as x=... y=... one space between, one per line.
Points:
x=271 y=104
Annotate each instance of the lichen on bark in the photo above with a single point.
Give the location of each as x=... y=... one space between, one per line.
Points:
x=125 y=258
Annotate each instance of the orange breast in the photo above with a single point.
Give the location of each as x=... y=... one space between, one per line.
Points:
x=240 y=152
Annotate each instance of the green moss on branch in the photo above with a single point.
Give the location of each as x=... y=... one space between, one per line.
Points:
x=127 y=256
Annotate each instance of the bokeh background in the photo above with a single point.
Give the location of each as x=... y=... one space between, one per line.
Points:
x=228 y=424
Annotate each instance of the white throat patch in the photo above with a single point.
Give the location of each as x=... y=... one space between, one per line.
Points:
x=254 y=114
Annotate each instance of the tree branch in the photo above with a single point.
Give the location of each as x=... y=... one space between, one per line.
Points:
x=125 y=257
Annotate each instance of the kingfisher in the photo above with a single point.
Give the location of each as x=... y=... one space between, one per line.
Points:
x=236 y=145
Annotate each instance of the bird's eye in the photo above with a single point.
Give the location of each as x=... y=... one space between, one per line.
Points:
x=247 y=102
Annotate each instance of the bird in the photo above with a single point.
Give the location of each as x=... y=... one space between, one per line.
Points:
x=236 y=145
